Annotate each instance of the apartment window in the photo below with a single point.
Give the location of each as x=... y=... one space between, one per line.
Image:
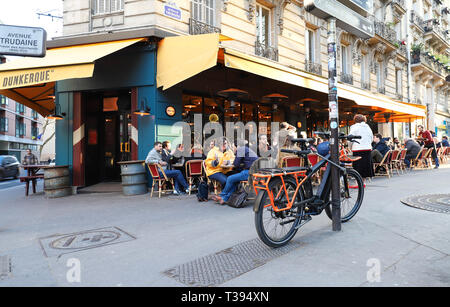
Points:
x=3 y=124
x=107 y=6
x=263 y=25
x=34 y=114
x=3 y=101
x=204 y=11
x=398 y=81
x=20 y=108
x=20 y=128
x=34 y=131
x=365 y=75
x=344 y=57
x=310 y=40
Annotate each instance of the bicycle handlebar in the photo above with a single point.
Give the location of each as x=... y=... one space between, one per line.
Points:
x=296 y=152
x=301 y=140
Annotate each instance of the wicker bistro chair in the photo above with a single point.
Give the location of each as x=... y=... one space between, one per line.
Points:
x=384 y=164
x=194 y=170
x=442 y=154
x=211 y=182
x=394 y=161
x=401 y=160
x=291 y=161
x=418 y=159
x=425 y=161
x=159 y=181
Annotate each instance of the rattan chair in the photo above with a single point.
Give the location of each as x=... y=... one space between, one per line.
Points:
x=384 y=164
x=194 y=169
x=158 y=180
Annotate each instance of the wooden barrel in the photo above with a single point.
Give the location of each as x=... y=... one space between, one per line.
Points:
x=134 y=177
x=57 y=181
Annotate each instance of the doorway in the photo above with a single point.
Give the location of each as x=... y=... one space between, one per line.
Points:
x=108 y=132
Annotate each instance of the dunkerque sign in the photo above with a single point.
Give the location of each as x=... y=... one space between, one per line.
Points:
x=22 y=41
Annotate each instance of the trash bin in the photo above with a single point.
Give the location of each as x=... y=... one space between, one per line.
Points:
x=134 y=177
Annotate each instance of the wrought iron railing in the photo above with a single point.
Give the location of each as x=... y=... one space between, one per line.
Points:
x=400 y=3
x=427 y=60
x=402 y=49
x=346 y=78
x=417 y=20
x=266 y=51
x=432 y=25
x=315 y=68
x=385 y=31
x=197 y=27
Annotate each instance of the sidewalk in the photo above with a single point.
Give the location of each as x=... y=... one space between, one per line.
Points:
x=411 y=245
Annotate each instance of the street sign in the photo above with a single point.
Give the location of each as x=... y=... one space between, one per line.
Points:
x=22 y=41
x=363 y=7
x=347 y=19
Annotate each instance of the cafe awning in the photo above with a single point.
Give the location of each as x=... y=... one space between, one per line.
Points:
x=31 y=81
x=182 y=57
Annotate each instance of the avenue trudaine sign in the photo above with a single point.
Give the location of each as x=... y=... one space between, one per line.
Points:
x=22 y=41
x=347 y=19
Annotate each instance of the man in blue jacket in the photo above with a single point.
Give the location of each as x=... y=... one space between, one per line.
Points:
x=379 y=148
x=242 y=163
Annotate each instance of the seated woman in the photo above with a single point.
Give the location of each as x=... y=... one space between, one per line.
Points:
x=217 y=157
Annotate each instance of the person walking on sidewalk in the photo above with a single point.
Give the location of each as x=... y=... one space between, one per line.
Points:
x=154 y=156
x=429 y=143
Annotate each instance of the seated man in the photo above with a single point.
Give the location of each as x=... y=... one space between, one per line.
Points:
x=379 y=148
x=154 y=156
x=412 y=150
x=445 y=141
x=242 y=163
x=219 y=155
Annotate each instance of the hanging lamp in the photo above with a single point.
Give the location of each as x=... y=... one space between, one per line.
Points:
x=57 y=115
x=142 y=109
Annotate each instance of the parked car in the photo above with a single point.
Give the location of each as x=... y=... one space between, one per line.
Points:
x=9 y=167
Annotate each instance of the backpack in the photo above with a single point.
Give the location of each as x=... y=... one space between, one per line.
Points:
x=238 y=199
x=202 y=193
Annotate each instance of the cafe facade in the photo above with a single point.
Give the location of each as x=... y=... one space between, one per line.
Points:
x=117 y=93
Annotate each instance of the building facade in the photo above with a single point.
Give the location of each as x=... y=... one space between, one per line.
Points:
x=259 y=61
x=20 y=129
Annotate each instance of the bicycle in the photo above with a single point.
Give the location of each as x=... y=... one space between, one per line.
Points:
x=285 y=199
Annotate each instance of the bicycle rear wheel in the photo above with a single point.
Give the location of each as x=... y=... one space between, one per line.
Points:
x=352 y=195
x=276 y=229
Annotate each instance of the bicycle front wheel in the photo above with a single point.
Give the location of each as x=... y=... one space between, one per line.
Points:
x=276 y=229
x=352 y=195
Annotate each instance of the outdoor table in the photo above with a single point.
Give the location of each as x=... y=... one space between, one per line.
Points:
x=32 y=175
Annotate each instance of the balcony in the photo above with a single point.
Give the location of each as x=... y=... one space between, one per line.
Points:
x=435 y=34
x=421 y=60
x=416 y=20
x=398 y=9
x=385 y=31
x=315 y=68
x=197 y=27
x=261 y=49
x=346 y=78
x=401 y=49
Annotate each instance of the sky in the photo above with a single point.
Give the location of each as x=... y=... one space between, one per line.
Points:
x=24 y=13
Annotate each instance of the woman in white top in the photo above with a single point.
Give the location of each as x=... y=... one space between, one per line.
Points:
x=364 y=148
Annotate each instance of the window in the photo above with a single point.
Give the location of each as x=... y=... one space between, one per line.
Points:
x=3 y=124
x=34 y=131
x=3 y=101
x=365 y=72
x=20 y=108
x=107 y=6
x=380 y=79
x=263 y=25
x=20 y=128
x=398 y=81
x=310 y=40
x=344 y=57
x=204 y=11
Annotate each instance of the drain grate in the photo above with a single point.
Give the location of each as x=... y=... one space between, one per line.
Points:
x=68 y=243
x=227 y=264
x=431 y=202
x=5 y=266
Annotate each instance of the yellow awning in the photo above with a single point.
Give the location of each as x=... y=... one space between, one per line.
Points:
x=30 y=81
x=268 y=69
x=182 y=57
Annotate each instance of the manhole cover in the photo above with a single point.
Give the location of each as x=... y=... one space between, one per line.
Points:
x=431 y=202
x=5 y=266
x=227 y=264
x=67 y=243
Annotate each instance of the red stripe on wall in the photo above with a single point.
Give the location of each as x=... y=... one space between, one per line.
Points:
x=134 y=122
x=78 y=148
